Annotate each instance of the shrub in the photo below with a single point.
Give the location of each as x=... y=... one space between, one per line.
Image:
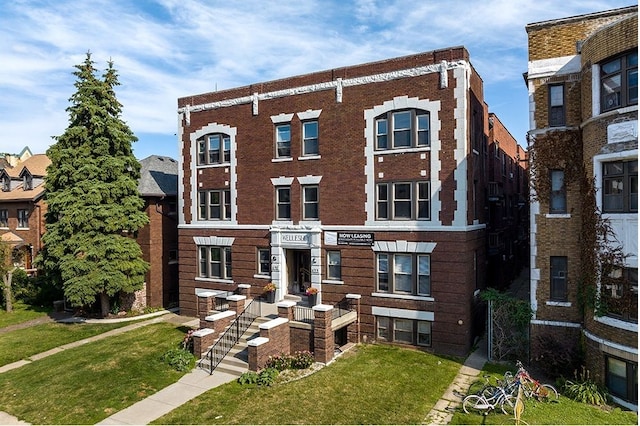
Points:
x=279 y=362
x=267 y=376
x=248 y=378
x=302 y=360
x=178 y=358
x=297 y=361
x=555 y=355
x=585 y=390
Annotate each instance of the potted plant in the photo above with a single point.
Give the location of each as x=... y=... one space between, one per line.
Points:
x=270 y=290
x=312 y=294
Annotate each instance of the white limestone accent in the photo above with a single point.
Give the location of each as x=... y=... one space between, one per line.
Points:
x=258 y=341
x=220 y=315
x=281 y=118
x=462 y=76
x=214 y=241
x=309 y=114
x=613 y=322
x=554 y=66
x=556 y=323
x=402 y=246
x=236 y=297
x=282 y=181
x=203 y=332
x=322 y=308
x=402 y=313
x=353 y=296
x=609 y=343
x=622 y=132
x=273 y=323
x=309 y=180
x=286 y=304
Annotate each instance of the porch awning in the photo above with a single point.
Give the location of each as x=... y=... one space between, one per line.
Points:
x=12 y=239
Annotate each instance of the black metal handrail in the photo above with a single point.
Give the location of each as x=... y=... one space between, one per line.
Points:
x=231 y=336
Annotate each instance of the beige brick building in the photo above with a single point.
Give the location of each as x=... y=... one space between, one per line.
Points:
x=583 y=97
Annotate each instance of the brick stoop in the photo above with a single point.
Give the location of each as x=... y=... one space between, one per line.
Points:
x=236 y=361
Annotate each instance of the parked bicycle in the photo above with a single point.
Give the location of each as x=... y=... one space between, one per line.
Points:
x=532 y=388
x=483 y=404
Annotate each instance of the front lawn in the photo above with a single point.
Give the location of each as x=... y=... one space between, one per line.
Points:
x=372 y=384
x=21 y=344
x=84 y=385
x=21 y=313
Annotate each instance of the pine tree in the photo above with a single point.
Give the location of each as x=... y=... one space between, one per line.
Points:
x=94 y=207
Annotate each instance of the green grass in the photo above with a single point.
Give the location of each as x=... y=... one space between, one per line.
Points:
x=21 y=313
x=84 y=385
x=374 y=384
x=21 y=344
x=563 y=412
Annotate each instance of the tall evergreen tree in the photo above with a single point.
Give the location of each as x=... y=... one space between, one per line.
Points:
x=94 y=207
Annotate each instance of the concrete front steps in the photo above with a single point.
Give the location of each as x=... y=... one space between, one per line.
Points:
x=236 y=362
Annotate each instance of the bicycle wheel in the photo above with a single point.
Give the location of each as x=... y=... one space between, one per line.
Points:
x=547 y=393
x=473 y=404
x=489 y=392
x=508 y=405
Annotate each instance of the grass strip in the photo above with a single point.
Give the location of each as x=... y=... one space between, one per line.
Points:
x=373 y=384
x=86 y=384
x=21 y=313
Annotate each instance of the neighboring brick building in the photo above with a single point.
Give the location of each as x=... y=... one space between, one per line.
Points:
x=22 y=206
x=583 y=91
x=158 y=186
x=366 y=181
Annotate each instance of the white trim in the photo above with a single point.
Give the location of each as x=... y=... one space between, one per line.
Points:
x=402 y=313
x=609 y=343
x=214 y=280
x=558 y=215
x=614 y=322
x=214 y=241
x=309 y=114
x=402 y=246
x=460 y=112
x=309 y=180
x=556 y=323
x=403 y=296
x=282 y=181
x=560 y=304
x=281 y=118
x=554 y=66
x=333 y=282
x=309 y=157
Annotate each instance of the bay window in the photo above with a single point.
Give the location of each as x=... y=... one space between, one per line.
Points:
x=619 y=81
x=620 y=187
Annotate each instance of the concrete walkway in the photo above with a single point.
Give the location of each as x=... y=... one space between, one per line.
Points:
x=443 y=410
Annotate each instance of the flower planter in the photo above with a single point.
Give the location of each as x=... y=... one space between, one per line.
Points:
x=271 y=296
x=313 y=299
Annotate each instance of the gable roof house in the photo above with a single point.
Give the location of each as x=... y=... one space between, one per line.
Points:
x=366 y=184
x=22 y=207
x=583 y=91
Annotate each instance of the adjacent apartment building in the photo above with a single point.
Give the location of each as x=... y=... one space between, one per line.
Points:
x=367 y=181
x=583 y=92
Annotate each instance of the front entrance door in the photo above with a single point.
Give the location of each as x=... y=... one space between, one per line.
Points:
x=299 y=270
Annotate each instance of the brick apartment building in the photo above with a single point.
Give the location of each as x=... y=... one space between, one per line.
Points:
x=22 y=206
x=583 y=91
x=367 y=182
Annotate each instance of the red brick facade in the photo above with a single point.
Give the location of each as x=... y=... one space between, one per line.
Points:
x=440 y=256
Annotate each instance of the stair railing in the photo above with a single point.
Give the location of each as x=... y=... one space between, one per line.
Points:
x=231 y=336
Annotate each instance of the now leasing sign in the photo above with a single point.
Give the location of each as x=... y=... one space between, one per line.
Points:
x=355 y=238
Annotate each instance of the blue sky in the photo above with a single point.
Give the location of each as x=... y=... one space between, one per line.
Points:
x=166 y=49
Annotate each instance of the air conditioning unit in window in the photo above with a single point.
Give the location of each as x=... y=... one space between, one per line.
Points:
x=611 y=100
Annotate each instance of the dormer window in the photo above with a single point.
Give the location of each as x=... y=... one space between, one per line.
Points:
x=6 y=183
x=27 y=181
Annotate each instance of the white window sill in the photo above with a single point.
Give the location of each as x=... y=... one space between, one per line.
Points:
x=309 y=157
x=558 y=216
x=22 y=229
x=262 y=277
x=209 y=166
x=214 y=280
x=337 y=282
x=561 y=304
x=4 y=227
x=401 y=150
x=404 y=297
x=281 y=160
x=617 y=323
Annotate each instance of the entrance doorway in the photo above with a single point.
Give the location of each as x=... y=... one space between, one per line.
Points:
x=299 y=271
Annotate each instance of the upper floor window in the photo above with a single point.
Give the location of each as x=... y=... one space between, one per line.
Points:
x=619 y=81
x=310 y=202
x=6 y=183
x=334 y=261
x=283 y=203
x=214 y=205
x=558 y=196
x=619 y=291
x=310 y=138
x=4 y=218
x=620 y=187
x=404 y=273
x=283 y=140
x=402 y=129
x=23 y=218
x=214 y=262
x=214 y=149
x=403 y=201
x=556 y=105
x=558 y=278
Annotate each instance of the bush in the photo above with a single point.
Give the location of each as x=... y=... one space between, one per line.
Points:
x=585 y=390
x=555 y=355
x=302 y=360
x=297 y=361
x=248 y=378
x=265 y=378
x=178 y=358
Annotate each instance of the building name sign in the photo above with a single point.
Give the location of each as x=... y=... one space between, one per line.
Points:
x=295 y=238
x=355 y=238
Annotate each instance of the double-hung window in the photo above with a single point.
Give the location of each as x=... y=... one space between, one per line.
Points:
x=622 y=379
x=214 y=149
x=214 y=205
x=310 y=202
x=401 y=330
x=310 y=138
x=619 y=291
x=23 y=218
x=334 y=261
x=402 y=129
x=264 y=261
x=4 y=218
x=283 y=203
x=558 y=196
x=283 y=140
x=214 y=262
x=620 y=187
x=404 y=273
x=558 y=278
x=556 y=105
x=403 y=201
x=619 y=81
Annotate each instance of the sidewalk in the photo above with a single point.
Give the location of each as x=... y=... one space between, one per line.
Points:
x=443 y=410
